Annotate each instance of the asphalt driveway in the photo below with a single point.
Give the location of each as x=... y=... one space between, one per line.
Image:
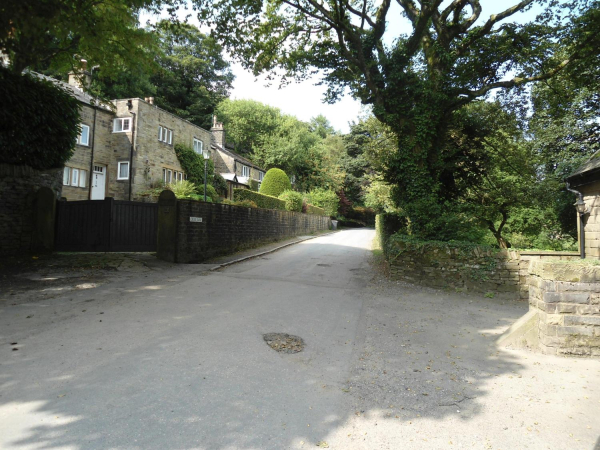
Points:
x=175 y=358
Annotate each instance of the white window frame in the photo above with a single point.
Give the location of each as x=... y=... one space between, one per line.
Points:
x=122 y=121
x=119 y=164
x=169 y=176
x=246 y=171
x=180 y=176
x=79 y=138
x=165 y=135
x=82 y=178
x=261 y=175
x=66 y=176
x=74 y=177
x=198 y=146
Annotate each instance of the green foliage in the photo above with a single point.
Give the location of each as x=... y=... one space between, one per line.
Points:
x=190 y=77
x=243 y=203
x=274 y=183
x=193 y=165
x=261 y=200
x=273 y=139
x=363 y=215
x=315 y=210
x=219 y=184
x=183 y=189
x=328 y=200
x=248 y=123
x=292 y=199
x=40 y=121
x=53 y=31
x=378 y=196
x=253 y=184
x=417 y=81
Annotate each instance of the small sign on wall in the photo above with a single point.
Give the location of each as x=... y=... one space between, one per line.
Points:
x=195 y=219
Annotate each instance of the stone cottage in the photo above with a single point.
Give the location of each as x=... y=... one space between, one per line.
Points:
x=586 y=180
x=239 y=172
x=127 y=147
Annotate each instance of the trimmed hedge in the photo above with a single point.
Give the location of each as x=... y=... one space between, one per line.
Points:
x=275 y=182
x=261 y=200
x=39 y=121
x=315 y=210
x=293 y=200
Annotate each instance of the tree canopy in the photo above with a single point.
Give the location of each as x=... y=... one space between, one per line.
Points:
x=415 y=81
x=190 y=77
x=60 y=33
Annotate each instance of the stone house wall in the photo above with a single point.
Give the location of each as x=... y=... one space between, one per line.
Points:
x=591 y=197
x=101 y=145
x=150 y=155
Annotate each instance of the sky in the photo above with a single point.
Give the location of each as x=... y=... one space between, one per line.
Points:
x=305 y=99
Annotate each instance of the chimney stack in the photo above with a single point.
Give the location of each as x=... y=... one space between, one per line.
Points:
x=81 y=80
x=150 y=100
x=218 y=132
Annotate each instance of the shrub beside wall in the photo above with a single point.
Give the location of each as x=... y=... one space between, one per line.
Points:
x=261 y=200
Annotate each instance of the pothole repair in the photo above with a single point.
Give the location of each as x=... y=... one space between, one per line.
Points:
x=284 y=343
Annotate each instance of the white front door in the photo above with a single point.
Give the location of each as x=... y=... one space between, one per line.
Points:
x=98 y=182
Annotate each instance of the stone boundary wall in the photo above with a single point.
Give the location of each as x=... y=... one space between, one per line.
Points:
x=19 y=186
x=224 y=229
x=566 y=298
x=475 y=269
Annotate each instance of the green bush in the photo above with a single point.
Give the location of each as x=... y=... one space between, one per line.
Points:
x=293 y=200
x=328 y=200
x=183 y=188
x=253 y=184
x=220 y=184
x=315 y=210
x=39 y=121
x=274 y=183
x=261 y=200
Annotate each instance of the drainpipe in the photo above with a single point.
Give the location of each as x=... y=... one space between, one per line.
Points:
x=582 y=212
x=91 y=176
x=131 y=152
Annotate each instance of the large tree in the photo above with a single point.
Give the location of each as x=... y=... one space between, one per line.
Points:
x=416 y=81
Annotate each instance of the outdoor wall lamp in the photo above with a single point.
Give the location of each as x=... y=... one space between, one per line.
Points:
x=206 y=157
x=582 y=211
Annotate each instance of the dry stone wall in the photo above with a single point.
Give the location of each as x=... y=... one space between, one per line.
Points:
x=466 y=268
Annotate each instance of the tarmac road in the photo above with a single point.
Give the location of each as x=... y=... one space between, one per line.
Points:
x=175 y=359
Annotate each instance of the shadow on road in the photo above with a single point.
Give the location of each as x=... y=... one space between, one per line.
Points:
x=182 y=364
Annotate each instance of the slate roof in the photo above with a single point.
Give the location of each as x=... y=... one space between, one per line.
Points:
x=592 y=165
x=235 y=156
x=79 y=94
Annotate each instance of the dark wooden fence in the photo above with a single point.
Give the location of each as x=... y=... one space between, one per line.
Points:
x=106 y=226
